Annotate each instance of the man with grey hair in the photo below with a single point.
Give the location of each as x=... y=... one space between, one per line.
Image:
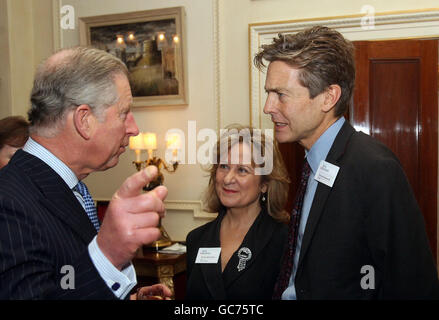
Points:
x=52 y=245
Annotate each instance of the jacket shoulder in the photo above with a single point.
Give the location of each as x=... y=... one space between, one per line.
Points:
x=369 y=147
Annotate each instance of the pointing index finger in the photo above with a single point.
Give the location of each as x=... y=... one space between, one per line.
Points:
x=133 y=185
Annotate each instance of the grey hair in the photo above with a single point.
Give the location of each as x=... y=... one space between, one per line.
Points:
x=70 y=78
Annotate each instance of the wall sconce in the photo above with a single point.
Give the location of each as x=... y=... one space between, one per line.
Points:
x=148 y=141
x=173 y=143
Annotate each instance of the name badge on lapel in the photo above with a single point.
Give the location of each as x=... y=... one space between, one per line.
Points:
x=208 y=255
x=326 y=173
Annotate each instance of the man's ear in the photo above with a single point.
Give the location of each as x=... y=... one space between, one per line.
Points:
x=83 y=120
x=331 y=96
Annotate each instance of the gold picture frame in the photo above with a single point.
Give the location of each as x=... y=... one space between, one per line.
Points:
x=152 y=44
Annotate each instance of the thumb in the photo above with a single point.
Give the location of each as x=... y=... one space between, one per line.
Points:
x=133 y=185
x=160 y=192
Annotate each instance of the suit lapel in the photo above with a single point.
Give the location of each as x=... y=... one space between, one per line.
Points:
x=72 y=214
x=212 y=271
x=55 y=195
x=334 y=156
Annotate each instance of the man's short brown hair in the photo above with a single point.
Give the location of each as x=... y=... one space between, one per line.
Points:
x=324 y=58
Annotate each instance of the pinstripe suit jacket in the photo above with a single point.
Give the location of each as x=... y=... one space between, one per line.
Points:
x=43 y=228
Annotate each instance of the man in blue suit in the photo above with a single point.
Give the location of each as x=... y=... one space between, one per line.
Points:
x=51 y=243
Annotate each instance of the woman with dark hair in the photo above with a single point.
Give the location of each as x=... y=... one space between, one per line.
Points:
x=237 y=255
x=14 y=132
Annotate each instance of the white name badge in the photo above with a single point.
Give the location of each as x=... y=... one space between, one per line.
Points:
x=208 y=255
x=326 y=173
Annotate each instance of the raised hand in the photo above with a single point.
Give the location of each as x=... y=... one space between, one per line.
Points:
x=131 y=218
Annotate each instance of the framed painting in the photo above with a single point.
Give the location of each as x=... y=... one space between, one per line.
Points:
x=152 y=45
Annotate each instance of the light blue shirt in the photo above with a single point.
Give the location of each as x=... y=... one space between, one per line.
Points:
x=109 y=273
x=317 y=153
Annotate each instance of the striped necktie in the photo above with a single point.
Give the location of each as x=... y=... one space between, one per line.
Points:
x=287 y=261
x=90 y=208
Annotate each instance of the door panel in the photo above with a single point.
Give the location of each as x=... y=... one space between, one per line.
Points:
x=396 y=83
x=396 y=102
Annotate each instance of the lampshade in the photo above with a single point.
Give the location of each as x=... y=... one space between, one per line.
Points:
x=173 y=141
x=150 y=140
x=136 y=143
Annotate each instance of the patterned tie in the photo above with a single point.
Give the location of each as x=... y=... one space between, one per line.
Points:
x=288 y=257
x=88 y=202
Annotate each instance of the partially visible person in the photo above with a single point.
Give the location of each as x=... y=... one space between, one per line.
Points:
x=52 y=245
x=357 y=231
x=237 y=255
x=14 y=132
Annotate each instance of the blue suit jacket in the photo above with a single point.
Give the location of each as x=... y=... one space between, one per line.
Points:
x=43 y=228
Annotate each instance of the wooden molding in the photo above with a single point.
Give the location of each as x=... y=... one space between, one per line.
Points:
x=189 y=205
x=195 y=206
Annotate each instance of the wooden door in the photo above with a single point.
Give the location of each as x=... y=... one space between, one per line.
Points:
x=395 y=101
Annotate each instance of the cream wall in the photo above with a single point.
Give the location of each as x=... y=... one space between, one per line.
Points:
x=235 y=16
x=218 y=69
x=5 y=72
x=25 y=38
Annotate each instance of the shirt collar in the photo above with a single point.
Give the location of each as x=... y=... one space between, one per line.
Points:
x=321 y=147
x=37 y=150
